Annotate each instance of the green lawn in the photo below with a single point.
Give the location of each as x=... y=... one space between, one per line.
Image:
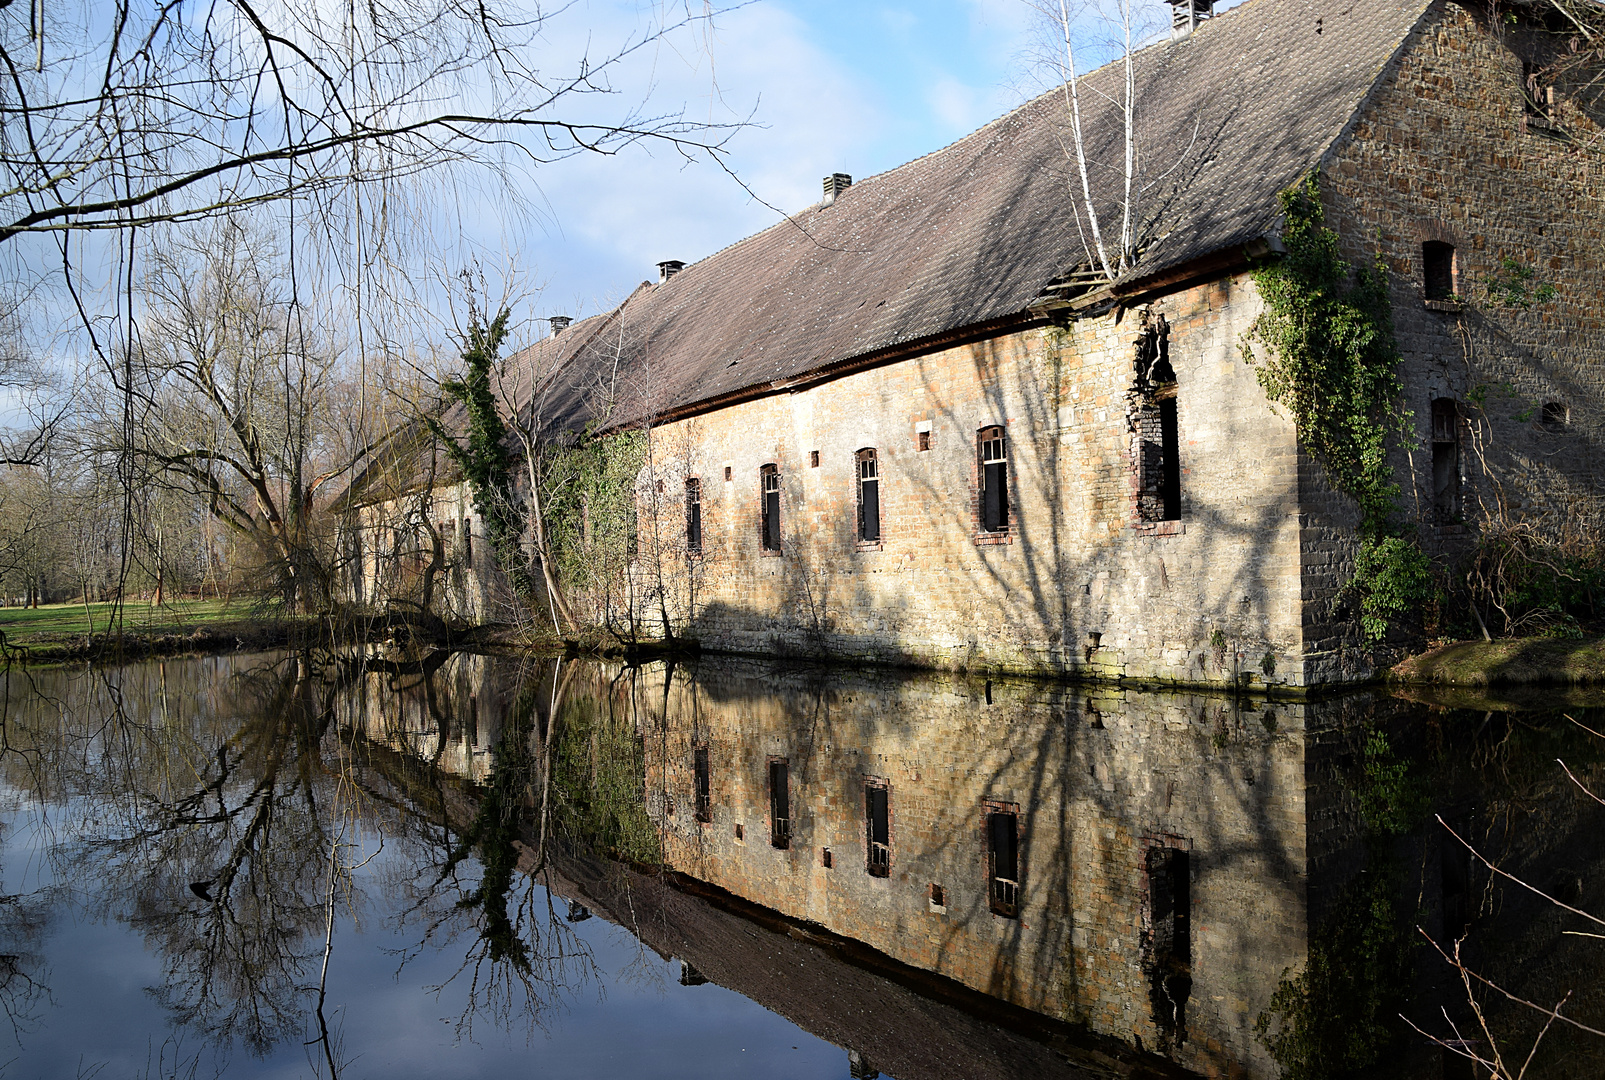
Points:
x=20 y=625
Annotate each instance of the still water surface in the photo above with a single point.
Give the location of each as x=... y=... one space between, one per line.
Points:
x=283 y=865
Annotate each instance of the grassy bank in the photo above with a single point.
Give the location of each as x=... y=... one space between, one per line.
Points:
x=54 y=632
x=1511 y=662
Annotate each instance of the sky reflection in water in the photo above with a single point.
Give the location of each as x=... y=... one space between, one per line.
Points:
x=83 y=999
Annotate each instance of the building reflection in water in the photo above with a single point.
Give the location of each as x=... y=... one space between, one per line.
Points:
x=1133 y=865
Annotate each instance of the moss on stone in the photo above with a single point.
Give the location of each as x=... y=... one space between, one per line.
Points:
x=1511 y=662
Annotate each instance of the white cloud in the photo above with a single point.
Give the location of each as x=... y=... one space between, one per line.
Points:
x=613 y=218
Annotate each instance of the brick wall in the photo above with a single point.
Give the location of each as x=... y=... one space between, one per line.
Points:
x=1206 y=600
x=1444 y=152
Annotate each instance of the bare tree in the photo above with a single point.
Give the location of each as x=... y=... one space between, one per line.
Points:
x=127 y=114
x=230 y=385
x=1073 y=32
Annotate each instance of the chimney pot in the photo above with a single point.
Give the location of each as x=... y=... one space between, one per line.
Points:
x=668 y=268
x=835 y=184
x=559 y=323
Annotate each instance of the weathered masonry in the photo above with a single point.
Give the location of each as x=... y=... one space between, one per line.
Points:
x=916 y=429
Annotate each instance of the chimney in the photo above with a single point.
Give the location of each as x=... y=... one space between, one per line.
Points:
x=835 y=184
x=1185 y=15
x=559 y=323
x=668 y=268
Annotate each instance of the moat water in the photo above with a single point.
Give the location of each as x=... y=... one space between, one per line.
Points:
x=324 y=865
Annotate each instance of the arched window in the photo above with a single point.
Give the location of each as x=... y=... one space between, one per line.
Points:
x=992 y=445
x=869 y=498
x=1555 y=415
x=769 y=509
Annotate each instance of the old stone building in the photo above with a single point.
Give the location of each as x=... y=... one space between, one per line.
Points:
x=909 y=425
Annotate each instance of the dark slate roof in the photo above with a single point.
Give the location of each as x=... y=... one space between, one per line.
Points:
x=972 y=234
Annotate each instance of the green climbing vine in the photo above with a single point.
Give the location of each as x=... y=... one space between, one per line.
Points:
x=484 y=458
x=590 y=501
x=1331 y=361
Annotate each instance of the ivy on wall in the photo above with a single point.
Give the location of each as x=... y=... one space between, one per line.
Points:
x=590 y=503
x=483 y=458
x=1331 y=361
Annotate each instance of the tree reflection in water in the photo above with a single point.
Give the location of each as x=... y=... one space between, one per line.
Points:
x=271 y=782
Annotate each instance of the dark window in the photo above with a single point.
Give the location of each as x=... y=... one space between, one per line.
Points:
x=869 y=497
x=994 y=480
x=1003 y=862
x=704 y=801
x=1170 y=950
x=779 y=803
x=922 y=440
x=468 y=543
x=1554 y=414
x=813 y=459
x=770 y=486
x=693 y=516
x=727 y=474
x=938 y=896
x=824 y=858
x=878 y=826
x=1159 y=464
x=1445 y=460
x=1438 y=269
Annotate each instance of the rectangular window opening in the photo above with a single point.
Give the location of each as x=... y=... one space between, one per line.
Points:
x=1159 y=461
x=824 y=858
x=813 y=459
x=1438 y=269
x=994 y=477
x=770 y=509
x=878 y=827
x=1169 y=926
x=869 y=498
x=693 y=516
x=779 y=803
x=938 y=896
x=922 y=440
x=704 y=801
x=1003 y=862
x=1445 y=460
x=468 y=543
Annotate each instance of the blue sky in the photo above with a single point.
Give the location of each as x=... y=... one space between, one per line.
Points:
x=832 y=86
